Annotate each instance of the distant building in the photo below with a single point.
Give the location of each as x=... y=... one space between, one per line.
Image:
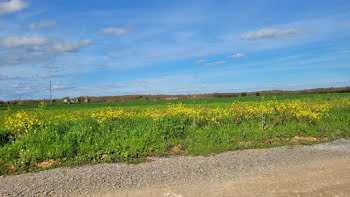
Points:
x=74 y=101
x=69 y=100
x=86 y=100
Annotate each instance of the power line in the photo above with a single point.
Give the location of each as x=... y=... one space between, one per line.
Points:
x=50 y=93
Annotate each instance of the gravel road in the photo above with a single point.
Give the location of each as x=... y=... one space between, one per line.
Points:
x=318 y=170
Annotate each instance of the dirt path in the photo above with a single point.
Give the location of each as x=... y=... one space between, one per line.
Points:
x=319 y=170
x=325 y=178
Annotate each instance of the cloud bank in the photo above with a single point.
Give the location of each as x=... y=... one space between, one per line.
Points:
x=19 y=50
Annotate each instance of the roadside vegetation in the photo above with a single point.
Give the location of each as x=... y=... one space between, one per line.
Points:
x=40 y=136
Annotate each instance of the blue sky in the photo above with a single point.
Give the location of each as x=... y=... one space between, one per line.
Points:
x=111 y=47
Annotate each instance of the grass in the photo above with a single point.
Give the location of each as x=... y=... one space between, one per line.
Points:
x=69 y=135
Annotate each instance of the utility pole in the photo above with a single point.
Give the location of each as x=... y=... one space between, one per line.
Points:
x=50 y=93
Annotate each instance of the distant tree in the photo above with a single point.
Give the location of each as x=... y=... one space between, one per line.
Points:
x=243 y=94
x=257 y=94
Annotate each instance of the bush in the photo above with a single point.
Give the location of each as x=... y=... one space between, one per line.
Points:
x=243 y=94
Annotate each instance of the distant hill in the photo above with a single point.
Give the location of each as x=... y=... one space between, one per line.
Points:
x=126 y=98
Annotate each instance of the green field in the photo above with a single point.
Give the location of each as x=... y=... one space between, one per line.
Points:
x=77 y=134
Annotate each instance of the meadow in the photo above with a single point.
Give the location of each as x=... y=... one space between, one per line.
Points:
x=43 y=136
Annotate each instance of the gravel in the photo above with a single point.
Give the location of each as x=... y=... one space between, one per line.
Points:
x=95 y=180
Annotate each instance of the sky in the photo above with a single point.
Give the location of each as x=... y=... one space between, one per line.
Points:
x=113 y=47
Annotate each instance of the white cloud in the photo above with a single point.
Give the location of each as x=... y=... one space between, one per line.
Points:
x=155 y=55
x=21 y=50
x=55 y=87
x=71 y=46
x=42 y=24
x=12 y=6
x=13 y=41
x=115 y=31
x=36 y=44
x=237 y=55
x=269 y=34
x=215 y=63
x=200 y=61
x=46 y=76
